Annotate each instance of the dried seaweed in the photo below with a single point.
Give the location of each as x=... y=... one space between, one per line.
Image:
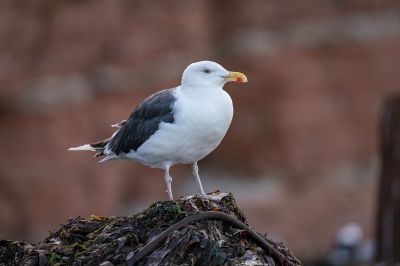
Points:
x=119 y=240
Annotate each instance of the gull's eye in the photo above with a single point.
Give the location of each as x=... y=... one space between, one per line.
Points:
x=206 y=70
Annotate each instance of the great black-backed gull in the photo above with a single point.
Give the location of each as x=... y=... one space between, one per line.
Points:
x=175 y=126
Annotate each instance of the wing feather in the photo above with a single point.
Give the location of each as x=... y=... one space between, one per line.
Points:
x=143 y=122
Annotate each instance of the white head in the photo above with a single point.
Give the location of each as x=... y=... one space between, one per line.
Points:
x=209 y=74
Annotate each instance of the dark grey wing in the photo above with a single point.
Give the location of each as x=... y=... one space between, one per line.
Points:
x=144 y=122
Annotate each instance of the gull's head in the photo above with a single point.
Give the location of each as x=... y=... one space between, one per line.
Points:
x=209 y=74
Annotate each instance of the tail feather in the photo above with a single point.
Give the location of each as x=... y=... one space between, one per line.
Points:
x=108 y=157
x=86 y=147
x=98 y=147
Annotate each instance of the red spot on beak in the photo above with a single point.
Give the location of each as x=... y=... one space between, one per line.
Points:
x=238 y=80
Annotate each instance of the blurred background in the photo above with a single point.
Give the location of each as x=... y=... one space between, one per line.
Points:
x=301 y=156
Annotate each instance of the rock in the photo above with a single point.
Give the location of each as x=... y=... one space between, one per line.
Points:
x=208 y=230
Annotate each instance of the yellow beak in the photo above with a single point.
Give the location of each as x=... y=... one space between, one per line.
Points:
x=236 y=77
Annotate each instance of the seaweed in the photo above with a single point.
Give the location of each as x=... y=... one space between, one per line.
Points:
x=119 y=240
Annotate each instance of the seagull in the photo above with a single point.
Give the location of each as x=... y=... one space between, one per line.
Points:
x=181 y=125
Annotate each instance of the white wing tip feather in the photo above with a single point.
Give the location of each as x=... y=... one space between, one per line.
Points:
x=108 y=157
x=119 y=125
x=85 y=147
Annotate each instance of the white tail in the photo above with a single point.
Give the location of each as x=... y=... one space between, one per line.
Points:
x=85 y=147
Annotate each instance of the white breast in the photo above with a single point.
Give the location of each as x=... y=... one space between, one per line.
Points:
x=202 y=119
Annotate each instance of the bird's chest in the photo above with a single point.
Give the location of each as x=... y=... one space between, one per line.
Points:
x=207 y=118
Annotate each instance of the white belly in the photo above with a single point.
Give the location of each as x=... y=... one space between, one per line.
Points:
x=200 y=125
